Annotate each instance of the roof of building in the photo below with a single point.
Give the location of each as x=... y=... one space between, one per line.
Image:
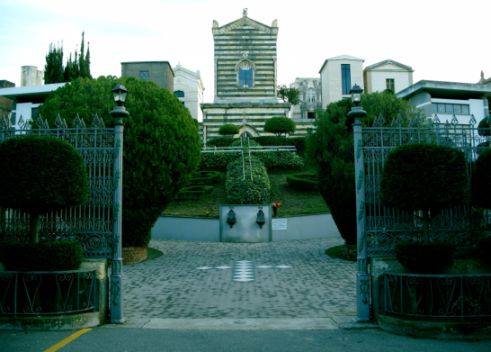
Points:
x=15 y=92
x=148 y=62
x=447 y=89
x=194 y=74
x=245 y=20
x=340 y=57
x=389 y=61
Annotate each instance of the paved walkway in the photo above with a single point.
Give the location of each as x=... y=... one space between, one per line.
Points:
x=225 y=280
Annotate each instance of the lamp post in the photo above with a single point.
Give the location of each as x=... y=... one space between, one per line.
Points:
x=119 y=112
x=362 y=288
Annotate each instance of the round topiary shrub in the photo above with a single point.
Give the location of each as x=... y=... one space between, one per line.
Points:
x=484 y=127
x=161 y=144
x=228 y=129
x=279 y=125
x=248 y=183
x=481 y=180
x=42 y=256
x=41 y=174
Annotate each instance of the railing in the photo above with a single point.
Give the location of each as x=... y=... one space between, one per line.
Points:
x=254 y=149
x=436 y=297
x=48 y=293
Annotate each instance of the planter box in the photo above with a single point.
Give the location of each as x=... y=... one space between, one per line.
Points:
x=246 y=228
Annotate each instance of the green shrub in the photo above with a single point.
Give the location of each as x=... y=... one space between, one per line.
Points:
x=425 y=257
x=41 y=174
x=42 y=256
x=481 y=180
x=217 y=161
x=279 y=125
x=219 y=142
x=298 y=142
x=303 y=181
x=281 y=160
x=424 y=177
x=244 y=190
x=247 y=142
x=485 y=250
x=228 y=129
x=484 y=127
x=161 y=144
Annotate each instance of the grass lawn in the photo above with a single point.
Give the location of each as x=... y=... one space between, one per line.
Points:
x=292 y=202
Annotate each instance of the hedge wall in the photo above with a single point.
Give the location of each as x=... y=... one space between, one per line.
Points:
x=243 y=190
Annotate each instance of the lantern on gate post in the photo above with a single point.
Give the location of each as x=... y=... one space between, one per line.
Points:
x=119 y=112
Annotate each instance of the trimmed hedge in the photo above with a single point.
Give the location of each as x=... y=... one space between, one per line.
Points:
x=484 y=127
x=279 y=125
x=424 y=177
x=228 y=129
x=220 y=142
x=237 y=143
x=243 y=190
x=303 y=181
x=298 y=142
x=42 y=256
x=217 y=161
x=424 y=257
x=281 y=160
x=481 y=180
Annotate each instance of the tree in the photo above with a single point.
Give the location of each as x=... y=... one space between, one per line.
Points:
x=161 y=144
x=228 y=129
x=279 y=125
x=71 y=69
x=84 y=59
x=290 y=95
x=53 y=69
x=41 y=174
x=330 y=149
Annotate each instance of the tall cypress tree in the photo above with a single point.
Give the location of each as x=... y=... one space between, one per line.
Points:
x=53 y=69
x=87 y=61
x=81 y=61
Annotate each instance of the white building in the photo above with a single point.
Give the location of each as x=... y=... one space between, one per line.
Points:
x=449 y=99
x=387 y=75
x=310 y=98
x=27 y=100
x=338 y=74
x=188 y=87
x=30 y=76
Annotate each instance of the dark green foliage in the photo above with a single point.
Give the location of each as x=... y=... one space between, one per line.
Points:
x=217 y=161
x=279 y=125
x=41 y=174
x=42 y=256
x=241 y=189
x=330 y=149
x=484 y=127
x=247 y=142
x=161 y=144
x=481 y=180
x=281 y=160
x=220 y=142
x=424 y=257
x=424 y=177
x=200 y=183
x=345 y=252
x=53 y=69
x=71 y=69
x=228 y=129
x=298 y=142
x=485 y=250
x=303 y=181
x=291 y=95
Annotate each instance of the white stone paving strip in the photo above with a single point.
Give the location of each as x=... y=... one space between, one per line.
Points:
x=243 y=271
x=203 y=267
x=223 y=267
x=282 y=266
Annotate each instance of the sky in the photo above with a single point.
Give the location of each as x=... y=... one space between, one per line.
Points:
x=444 y=40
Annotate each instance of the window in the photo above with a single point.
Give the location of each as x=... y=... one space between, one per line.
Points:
x=179 y=94
x=245 y=72
x=345 y=78
x=144 y=75
x=390 y=84
x=457 y=109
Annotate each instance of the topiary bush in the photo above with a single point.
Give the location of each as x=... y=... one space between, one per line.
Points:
x=303 y=181
x=244 y=190
x=228 y=129
x=217 y=161
x=484 y=127
x=424 y=257
x=298 y=142
x=279 y=125
x=42 y=256
x=281 y=160
x=161 y=144
x=41 y=174
x=219 y=142
x=481 y=180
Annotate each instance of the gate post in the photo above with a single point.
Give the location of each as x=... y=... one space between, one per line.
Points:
x=362 y=287
x=116 y=297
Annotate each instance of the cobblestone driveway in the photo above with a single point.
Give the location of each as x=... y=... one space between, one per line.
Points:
x=194 y=280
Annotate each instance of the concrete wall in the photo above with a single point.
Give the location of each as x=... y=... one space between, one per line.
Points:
x=375 y=78
x=160 y=72
x=200 y=229
x=190 y=83
x=31 y=76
